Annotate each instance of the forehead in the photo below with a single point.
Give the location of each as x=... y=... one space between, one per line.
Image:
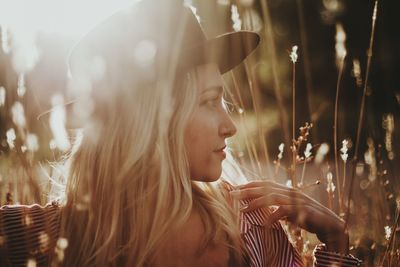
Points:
x=209 y=76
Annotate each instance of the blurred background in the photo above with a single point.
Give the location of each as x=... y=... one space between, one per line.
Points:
x=333 y=39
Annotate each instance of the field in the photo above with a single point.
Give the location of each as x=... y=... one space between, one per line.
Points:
x=317 y=105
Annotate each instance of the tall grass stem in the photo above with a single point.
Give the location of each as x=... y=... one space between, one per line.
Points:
x=274 y=67
x=306 y=61
x=361 y=116
x=255 y=95
x=242 y=117
x=293 y=169
x=335 y=134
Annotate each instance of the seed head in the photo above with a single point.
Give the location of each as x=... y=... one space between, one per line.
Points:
x=237 y=23
x=293 y=54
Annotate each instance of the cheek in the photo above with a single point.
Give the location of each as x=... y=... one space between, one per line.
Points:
x=200 y=130
x=200 y=138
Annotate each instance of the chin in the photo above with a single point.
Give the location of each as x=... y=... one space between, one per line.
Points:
x=207 y=174
x=207 y=179
x=211 y=179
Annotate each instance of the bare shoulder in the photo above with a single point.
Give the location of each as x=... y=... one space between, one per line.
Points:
x=182 y=248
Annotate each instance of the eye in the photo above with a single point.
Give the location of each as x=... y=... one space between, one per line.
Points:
x=213 y=101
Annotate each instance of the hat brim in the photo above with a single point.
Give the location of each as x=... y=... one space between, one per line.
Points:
x=227 y=51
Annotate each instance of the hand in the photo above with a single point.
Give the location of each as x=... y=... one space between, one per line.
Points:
x=297 y=208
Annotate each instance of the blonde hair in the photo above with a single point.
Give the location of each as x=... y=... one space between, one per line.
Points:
x=129 y=183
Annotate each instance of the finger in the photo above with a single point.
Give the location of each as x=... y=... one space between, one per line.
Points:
x=265 y=184
x=258 y=183
x=265 y=198
x=272 y=199
x=248 y=193
x=268 y=185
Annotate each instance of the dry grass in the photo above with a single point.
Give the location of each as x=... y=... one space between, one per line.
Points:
x=368 y=199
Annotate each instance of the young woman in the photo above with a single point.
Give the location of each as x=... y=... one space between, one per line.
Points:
x=144 y=185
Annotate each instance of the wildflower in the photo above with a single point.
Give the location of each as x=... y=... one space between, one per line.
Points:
x=25 y=55
x=237 y=23
x=307 y=151
x=388 y=125
x=62 y=243
x=281 y=148
x=321 y=153
x=293 y=54
x=344 y=150
x=21 y=88
x=340 y=43
x=2 y=96
x=331 y=5
x=10 y=134
x=388 y=232
x=370 y=160
x=18 y=115
x=5 y=45
x=32 y=143
x=330 y=185
x=357 y=72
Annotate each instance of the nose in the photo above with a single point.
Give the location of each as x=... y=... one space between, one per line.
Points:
x=227 y=127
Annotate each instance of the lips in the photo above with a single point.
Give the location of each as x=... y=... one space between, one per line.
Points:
x=220 y=149
x=221 y=152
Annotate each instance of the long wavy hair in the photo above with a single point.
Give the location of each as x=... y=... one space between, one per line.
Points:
x=129 y=183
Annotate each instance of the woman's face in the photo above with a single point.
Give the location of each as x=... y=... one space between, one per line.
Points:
x=208 y=128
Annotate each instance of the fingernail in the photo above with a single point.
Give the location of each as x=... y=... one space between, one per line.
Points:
x=244 y=207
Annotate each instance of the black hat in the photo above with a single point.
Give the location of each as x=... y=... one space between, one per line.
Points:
x=160 y=36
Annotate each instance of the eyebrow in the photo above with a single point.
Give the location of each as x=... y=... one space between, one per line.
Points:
x=220 y=89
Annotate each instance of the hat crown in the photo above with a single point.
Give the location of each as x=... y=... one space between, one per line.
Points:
x=152 y=39
x=165 y=27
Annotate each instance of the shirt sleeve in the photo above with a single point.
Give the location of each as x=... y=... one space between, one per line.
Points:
x=271 y=247
x=322 y=257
